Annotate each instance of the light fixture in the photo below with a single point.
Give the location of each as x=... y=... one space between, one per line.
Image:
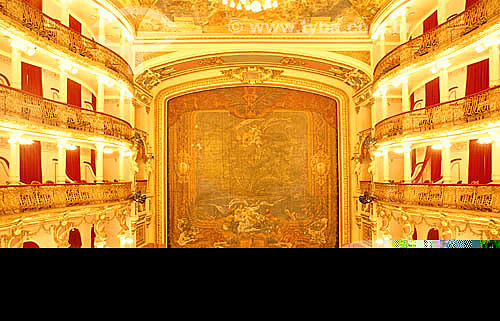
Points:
x=21 y=141
x=437 y=147
x=485 y=140
x=23 y=45
x=108 y=151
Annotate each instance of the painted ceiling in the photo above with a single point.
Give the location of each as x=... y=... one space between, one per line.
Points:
x=211 y=16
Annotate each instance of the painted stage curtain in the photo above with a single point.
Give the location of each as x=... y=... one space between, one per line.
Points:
x=30 y=161
x=432 y=93
x=74 y=93
x=75 y=239
x=75 y=25
x=480 y=163
x=37 y=4
x=31 y=79
x=73 y=169
x=470 y=3
x=433 y=234
x=431 y=23
x=478 y=77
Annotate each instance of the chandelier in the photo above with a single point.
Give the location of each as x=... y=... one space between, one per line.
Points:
x=251 y=5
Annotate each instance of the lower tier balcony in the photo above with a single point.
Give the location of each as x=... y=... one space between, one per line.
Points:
x=481 y=198
x=20 y=110
x=15 y=200
x=473 y=113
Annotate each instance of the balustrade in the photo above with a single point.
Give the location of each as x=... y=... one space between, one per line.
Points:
x=52 y=30
x=17 y=105
x=484 y=198
x=444 y=35
x=26 y=198
x=484 y=105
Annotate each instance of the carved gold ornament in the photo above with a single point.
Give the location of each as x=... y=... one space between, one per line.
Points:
x=252 y=75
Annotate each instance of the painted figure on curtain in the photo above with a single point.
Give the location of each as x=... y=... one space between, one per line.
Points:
x=252 y=167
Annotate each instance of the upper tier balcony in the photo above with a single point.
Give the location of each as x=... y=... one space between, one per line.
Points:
x=20 y=15
x=470 y=113
x=481 y=198
x=439 y=39
x=21 y=110
x=15 y=200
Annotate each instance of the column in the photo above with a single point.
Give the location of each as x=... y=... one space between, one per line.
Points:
x=64 y=13
x=374 y=111
x=442 y=15
x=99 y=163
x=386 y=166
x=102 y=28
x=495 y=162
x=122 y=106
x=131 y=107
x=16 y=68
x=61 y=164
x=444 y=87
x=407 y=165
x=382 y=44
x=63 y=87
x=494 y=66
x=121 y=167
x=385 y=106
x=405 y=94
x=100 y=96
x=14 y=163
x=446 y=163
x=403 y=32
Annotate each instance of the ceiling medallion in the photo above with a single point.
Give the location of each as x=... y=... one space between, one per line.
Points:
x=251 y=5
x=252 y=75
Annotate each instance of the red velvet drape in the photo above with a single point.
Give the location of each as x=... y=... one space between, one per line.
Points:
x=30 y=245
x=75 y=239
x=73 y=169
x=413 y=161
x=428 y=154
x=480 y=163
x=414 y=236
x=31 y=79
x=92 y=237
x=436 y=168
x=37 y=4
x=94 y=102
x=470 y=3
x=30 y=162
x=412 y=102
x=75 y=25
x=478 y=77
x=74 y=93
x=431 y=22
x=432 y=93
x=433 y=234
x=93 y=162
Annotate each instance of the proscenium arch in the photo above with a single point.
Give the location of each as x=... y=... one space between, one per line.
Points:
x=344 y=149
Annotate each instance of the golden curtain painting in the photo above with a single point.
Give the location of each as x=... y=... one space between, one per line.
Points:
x=252 y=167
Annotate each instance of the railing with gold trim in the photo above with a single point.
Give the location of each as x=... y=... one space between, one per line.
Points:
x=483 y=105
x=17 y=105
x=484 y=198
x=365 y=186
x=52 y=30
x=142 y=186
x=436 y=39
x=26 y=198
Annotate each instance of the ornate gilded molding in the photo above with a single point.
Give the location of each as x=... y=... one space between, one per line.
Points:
x=252 y=75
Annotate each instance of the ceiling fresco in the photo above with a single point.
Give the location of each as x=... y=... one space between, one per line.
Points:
x=212 y=16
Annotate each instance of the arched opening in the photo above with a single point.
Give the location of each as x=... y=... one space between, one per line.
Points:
x=433 y=234
x=75 y=239
x=30 y=245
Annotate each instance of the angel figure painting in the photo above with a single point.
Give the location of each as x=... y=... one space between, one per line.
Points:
x=245 y=176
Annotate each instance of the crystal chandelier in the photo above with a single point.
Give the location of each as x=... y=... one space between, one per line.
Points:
x=251 y=5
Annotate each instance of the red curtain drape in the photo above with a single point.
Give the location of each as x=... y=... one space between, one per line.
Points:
x=92 y=237
x=412 y=102
x=480 y=163
x=432 y=93
x=433 y=234
x=73 y=169
x=478 y=77
x=31 y=79
x=427 y=159
x=75 y=239
x=37 y=4
x=436 y=168
x=413 y=161
x=74 y=93
x=75 y=25
x=414 y=236
x=431 y=22
x=94 y=102
x=30 y=162
x=470 y=3
x=93 y=163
